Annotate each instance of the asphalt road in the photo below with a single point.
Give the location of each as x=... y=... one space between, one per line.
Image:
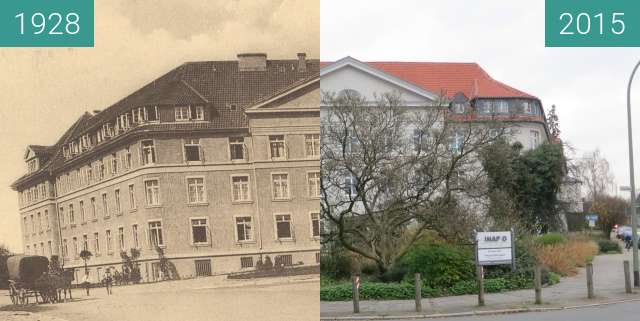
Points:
x=615 y=312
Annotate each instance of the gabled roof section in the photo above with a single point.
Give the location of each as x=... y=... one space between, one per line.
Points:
x=288 y=94
x=449 y=78
x=328 y=68
x=37 y=151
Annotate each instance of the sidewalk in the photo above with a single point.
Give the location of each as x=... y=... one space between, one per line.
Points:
x=570 y=292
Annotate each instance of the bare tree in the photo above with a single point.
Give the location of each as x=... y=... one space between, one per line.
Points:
x=594 y=174
x=387 y=167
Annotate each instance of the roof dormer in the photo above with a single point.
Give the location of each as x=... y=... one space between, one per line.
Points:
x=34 y=156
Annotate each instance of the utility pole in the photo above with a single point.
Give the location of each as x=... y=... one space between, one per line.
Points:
x=634 y=219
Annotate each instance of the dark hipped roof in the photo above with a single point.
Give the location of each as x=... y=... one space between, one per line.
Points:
x=216 y=84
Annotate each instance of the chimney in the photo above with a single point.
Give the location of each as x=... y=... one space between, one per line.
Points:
x=252 y=62
x=302 y=62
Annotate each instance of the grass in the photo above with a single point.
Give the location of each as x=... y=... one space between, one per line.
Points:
x=566 y=258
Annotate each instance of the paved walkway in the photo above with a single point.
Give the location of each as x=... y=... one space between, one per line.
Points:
x=571 y=291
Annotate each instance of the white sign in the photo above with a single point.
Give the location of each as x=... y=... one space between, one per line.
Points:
x=494 y=248
x=493 y=240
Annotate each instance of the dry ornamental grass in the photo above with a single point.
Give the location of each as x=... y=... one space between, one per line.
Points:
x=565 y=258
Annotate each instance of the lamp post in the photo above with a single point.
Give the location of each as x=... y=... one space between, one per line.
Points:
x=634 y=223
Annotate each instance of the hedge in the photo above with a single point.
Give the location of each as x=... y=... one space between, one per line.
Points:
x=404 y=290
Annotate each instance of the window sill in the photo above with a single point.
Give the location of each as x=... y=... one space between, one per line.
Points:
x=248 y=242
x=133 y=210
x=197 y=204
x=278 y=159
x=242 y=202
x=289 y=239
x=282 y=200
x=119 y=214
x=153 y=206
x=201 y=244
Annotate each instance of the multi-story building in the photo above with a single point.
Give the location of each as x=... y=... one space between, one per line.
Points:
x=216 y=163
x=468 y=91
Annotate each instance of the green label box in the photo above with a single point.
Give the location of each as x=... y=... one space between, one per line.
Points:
x=592 y=23
x=46 y=23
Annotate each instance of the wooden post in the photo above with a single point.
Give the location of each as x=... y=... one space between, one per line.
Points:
x=627 y=277
x=590 y=294
x=418 y=286
x=537 y=281
x=356 y=293
x=480 y=276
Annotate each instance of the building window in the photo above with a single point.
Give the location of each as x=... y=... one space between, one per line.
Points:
x=312 y=145
x=199 y=230
x=105 y=205
x=155 y=233
x=85 y=242
x=39 y=222
x=280 y=186
x=49 y=248
x=283 y=226
x=28 y=250
x=240 y=186
x=72 y=216
x=151 y=113
x=236 y=148
x=121 y=238
x=89 y=174
x=114 y=164
x=535 y=139
x=46 y=219
x=128 y=162
x=109 y=241
x=148 y=152
x=182 y=113
x=243 y=229
x=65 y=248
x=502 y=107
x=61 y=214
x=315 y=224
x=96 y=243
x=102 y=170
x=277 y=147
x=132 y=197
x=26 y=226
x=117 y=199
x=76 y=249
x=203 y=267
x=458 y=108
x=199 y=113
x=196 y=190
x=82 y=216
x=313 y=184
x=246 y=262
x=94 y=211
x=152 y=192
x=134 y=236
x=457 y=141
x=192 y=151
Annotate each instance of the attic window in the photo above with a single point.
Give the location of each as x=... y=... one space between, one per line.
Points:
x=458 y=108
x=32 y=166
x=233 y=107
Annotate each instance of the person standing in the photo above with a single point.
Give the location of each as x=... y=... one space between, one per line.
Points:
x=86 y=282
x=108 y=281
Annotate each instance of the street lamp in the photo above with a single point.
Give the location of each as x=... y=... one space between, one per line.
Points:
x=634 y=224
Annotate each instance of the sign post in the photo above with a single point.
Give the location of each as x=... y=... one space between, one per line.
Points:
x=493 y=248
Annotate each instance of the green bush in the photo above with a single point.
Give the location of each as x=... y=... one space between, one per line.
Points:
x=551 y=239
x=335 y=266
x=607 y=246
x=440 y=265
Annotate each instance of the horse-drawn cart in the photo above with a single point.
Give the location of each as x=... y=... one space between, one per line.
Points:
x=29 y=277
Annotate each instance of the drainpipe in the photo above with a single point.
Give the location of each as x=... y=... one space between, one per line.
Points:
x=257 y=198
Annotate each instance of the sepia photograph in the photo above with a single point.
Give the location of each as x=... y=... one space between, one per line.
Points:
x=171 y=171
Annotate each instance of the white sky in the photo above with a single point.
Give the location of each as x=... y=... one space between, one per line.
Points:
x=587 y=85
x=44 y=91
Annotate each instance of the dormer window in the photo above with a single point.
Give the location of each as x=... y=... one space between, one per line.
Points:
x=151 y=113
x=458 y=108
x=182 y=113
x=32 y=165
x=185 y=113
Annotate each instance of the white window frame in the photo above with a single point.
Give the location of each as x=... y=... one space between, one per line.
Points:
x=154 y=156
x=122 y=243
x=204 y=190
x=315 y=144
x=149 y=234
x=291 y=228
x=241 y=144
x=284 y=147
x=108 y=237
x=133 y=203
x=311 y=224
x=235 y=229
x=190 y=142
x=272 y=183
x=146 y=196
x=117 y=200
x=307 y=183
x=105 y=205
x=180 y=116
x=206 y=229
x=199 y=113
x=232 y=184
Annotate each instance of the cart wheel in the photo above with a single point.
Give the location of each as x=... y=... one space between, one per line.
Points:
x=13 y=295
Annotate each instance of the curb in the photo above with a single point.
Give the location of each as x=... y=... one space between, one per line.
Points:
x=475 y=313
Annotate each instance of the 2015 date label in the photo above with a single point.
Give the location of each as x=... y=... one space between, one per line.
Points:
x=46 y=23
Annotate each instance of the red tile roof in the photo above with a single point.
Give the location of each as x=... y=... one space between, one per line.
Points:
x=449 y=78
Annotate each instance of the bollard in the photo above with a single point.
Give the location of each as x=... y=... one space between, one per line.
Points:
x=627 y=277
x=590 y=294
x=537 y=280
x=356 y=293
x=418 y=286
x=480 y=276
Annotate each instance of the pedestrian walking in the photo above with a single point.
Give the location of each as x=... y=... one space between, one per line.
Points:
x=108 y=282
x=86 y=282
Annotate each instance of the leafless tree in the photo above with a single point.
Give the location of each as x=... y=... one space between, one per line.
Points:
x=391 y=172
x=595 y=175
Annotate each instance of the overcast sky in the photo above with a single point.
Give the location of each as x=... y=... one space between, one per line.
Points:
x=587 y=85
x=44 y=91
